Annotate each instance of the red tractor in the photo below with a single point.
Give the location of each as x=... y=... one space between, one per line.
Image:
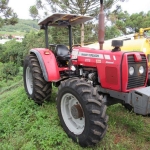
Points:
x=88 y=80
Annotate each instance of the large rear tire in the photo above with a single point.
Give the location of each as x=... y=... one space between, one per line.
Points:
x=82 y=114
x=35 y=85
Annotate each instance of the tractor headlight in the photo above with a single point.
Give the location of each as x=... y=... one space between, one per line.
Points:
x=131 y=70
x=141 y=69
x=73 y=68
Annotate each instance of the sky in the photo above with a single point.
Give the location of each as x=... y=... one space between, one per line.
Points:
x=136 y=6
x=21 y=7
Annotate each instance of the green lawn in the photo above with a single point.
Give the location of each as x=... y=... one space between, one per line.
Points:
x=27 y=126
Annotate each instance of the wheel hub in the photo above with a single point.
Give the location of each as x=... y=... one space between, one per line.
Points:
x=29 y=80
x=76 y=111
x=72 y=113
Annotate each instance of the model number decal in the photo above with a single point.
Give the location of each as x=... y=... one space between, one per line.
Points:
x=84 y=54
x=107 y=57
x=98 y=61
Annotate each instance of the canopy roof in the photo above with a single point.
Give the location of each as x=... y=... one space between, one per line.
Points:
x=59 y=19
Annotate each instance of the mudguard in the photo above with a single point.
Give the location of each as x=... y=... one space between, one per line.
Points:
x=48 y=64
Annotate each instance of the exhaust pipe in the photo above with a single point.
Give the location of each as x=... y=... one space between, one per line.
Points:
x=101 y=28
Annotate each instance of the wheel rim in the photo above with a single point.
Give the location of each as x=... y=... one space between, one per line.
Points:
x=74 y=125
x=29 y=80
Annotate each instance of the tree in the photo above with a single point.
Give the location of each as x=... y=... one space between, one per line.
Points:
x=59 y=35
x=9 y=69
x=127 y=24
x=137 y=21
x=2 y=49
x=12 y=51
x=1 y=73
x=7 y=15
x=33 y=40
x=82 y=7
x=111 y=32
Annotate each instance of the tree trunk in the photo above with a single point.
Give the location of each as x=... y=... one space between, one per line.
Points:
x=82 y=34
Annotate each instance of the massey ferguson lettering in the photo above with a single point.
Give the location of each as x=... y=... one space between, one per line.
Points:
x=83 y=54
x=93 y=55
x=90 y=55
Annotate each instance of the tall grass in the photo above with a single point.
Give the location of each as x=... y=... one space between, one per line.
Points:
x=12 y=82
x=27 y=126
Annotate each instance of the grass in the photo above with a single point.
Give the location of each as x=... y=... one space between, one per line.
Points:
x=27 y=126
x=12 y=82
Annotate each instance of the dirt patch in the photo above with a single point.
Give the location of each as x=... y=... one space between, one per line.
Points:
x=117 y=139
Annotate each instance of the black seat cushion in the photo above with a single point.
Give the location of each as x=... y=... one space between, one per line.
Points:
x=62 y=52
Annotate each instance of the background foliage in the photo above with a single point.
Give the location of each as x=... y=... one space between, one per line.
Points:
x=21 y=28
x=7 y=15
x=24 y=125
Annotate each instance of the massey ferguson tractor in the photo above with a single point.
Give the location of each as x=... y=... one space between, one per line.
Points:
x=88 y=80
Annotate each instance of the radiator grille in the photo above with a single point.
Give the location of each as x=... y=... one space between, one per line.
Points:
x=136 y=80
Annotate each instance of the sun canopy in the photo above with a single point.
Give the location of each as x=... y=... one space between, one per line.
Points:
x=60 y=19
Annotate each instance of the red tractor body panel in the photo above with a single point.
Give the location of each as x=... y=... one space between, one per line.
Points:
x=50 y=64
x=112 y=67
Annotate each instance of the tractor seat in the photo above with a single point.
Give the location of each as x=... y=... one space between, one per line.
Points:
x=62 y=52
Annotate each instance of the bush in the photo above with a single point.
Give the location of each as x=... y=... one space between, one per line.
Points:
x=1 y=71
x=9 y=70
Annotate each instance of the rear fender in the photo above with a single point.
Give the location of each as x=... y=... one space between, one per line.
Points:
x=48 y=64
